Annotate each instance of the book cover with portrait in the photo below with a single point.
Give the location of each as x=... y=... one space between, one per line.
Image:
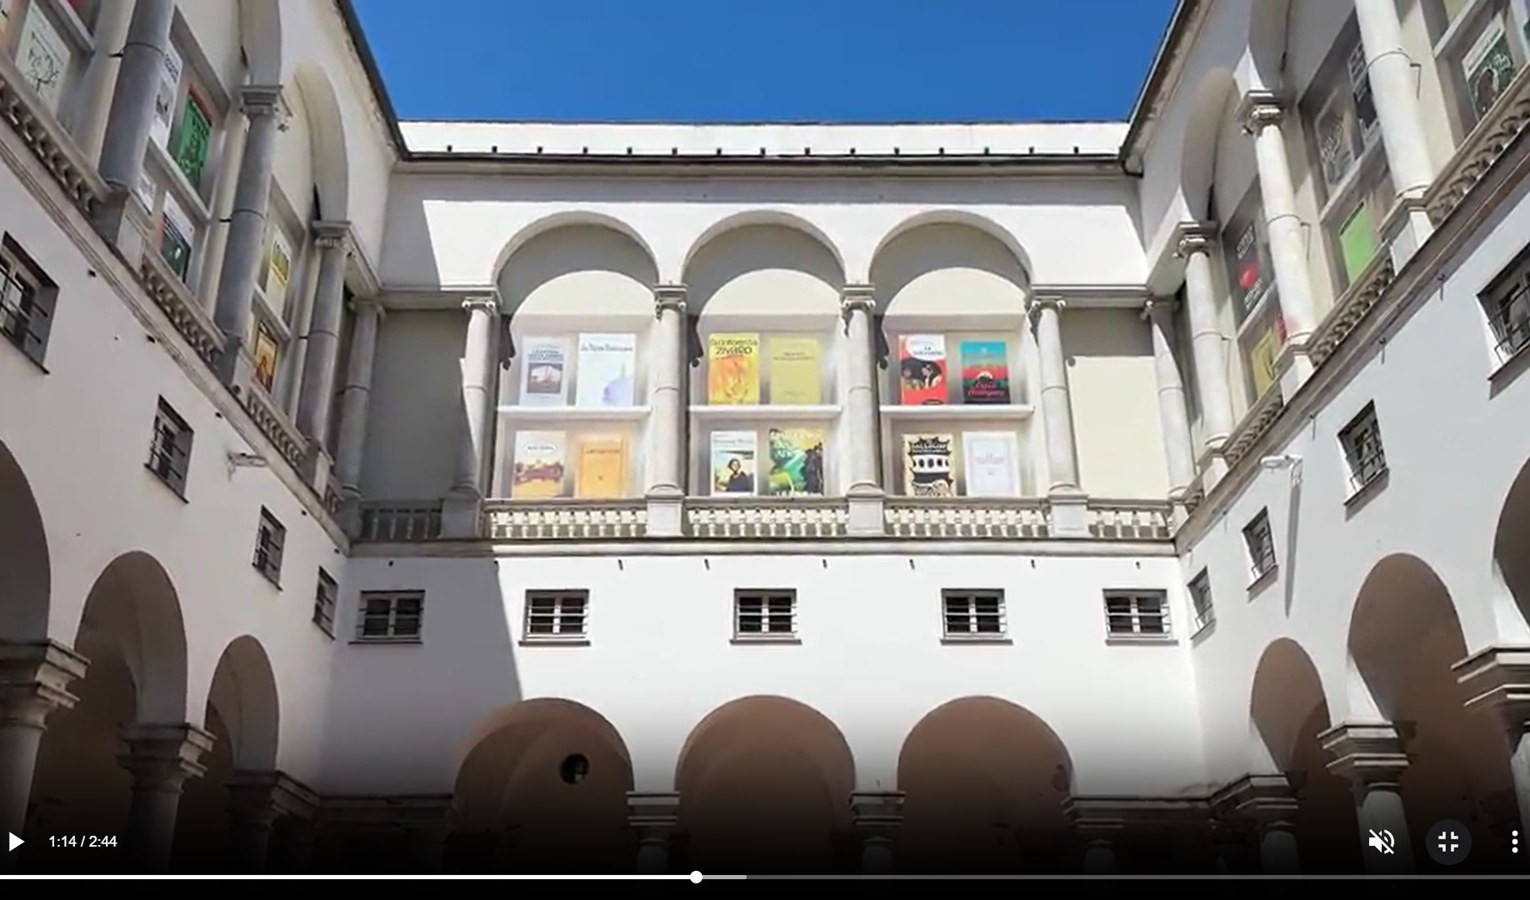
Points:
x=922 y=369
x=733 y=462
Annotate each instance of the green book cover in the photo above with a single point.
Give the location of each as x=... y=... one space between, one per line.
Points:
x=1357 y=241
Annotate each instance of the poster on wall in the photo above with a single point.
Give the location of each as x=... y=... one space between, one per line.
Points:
x=985 y=372
x=1335 y=151
x=733 y=369
x=265 y=353
x=194 y=139
x=992 y=463
x=796 y=462
x=602 y=468
x=544 y=372
x=927 y=465
x=1263 y=354
x=43 y=57
x=922 y=369
x=175 y=238
x=278 y=271
x=607 y=366
x=1358 y=241
x=1360 y=92
x=1489 y=67
x=537 y=469
x=733 y=462
x=796 y=371
x=164 y=98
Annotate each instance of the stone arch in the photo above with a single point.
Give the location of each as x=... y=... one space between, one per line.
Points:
x=984 y=782
x=768 y=217
x=1198 y=146
x=134 y=611
x=1404 y=637
x=244 y=694
x=542 y=786
x=1288 y=710
x=1268 y=34
x=571 y=244
x=25 y=572
x=563 y=220
x=260 y=32
x=326 y=127
x=929 y=261
x=959 y=217
x=765 y=785
x=1511 y=542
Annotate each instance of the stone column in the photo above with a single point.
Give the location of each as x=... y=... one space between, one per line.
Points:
x=160 y=758
x=1370 y=755
x=1262 y=113
x=323 y=351
x=667 y=454
x=1069 y=507
x=654 y=817
x=351 y=443
x=1394 y=78
x=1269 y=803
x=1099 y=850
x=214 y=237
x=864 y=493
x=258 y=800
x=1497 y=681
x=95 y=98
x=877 y=815
x=1230 y=840
x=1173 y=414
x=1208 y=345
x=132 y=110
x=247 y=222
x=34 y=681
x=460 y=512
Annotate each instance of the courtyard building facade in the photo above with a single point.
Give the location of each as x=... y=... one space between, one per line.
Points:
x=1145 y=496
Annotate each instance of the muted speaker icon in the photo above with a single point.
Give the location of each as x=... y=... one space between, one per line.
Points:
x=1382 y=842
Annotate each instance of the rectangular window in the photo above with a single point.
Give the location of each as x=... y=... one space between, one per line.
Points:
x=1137 y=614
x=269 y=541
x=1361 y=440
x=170 y=448
x=1200 y=602
x=390 y=616
x=764 y=615
x=1260 y=543
x=553 y=616
x=27 y=300
x=324 y=597
x=1507 y=304
x=973 y=614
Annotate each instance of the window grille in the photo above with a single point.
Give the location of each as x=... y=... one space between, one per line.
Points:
x=1361 y=440
x=390 y=616
x=764 y=615
x=973 y=614
x=269 y=541
x=556 y=615
x=1200 y=601
x=26 y=303
x=1137 y=614
x=324 y=597
x=170 y=447
x=1261 y=546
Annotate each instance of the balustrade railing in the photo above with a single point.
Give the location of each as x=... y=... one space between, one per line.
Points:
x=50 y=143
x=767 y=517
x=401 y=521
x=909 y=517
x=565 y=520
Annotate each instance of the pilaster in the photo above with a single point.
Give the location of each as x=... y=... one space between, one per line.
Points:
x=653 y=817
x=1371 y=756
x=461 y=509
x=667 y=456
x=1268 y=801
x=864 y=494
x=34 y=681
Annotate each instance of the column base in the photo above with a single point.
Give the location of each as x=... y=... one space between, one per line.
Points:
x=119 y=219
x=350 y=513
x=1068 y=513
x=1406 y=229
x=1292 y=368
x=1179 y=508
x=461 y=515
x=864 y=502
x=665 y=511
x=318 y=467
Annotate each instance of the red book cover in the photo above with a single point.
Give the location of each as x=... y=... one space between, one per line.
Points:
x=922 y=370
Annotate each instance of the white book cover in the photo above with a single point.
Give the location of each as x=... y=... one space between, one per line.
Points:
x=992 y=462
x=43 y=57
x=544 y=372
x=164 y=99
x=607 y=369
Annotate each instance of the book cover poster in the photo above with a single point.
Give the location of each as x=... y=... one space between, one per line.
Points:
x=733 y=369
x=1489 y=66
x=164 y=98
x=796 y=461
x=985 y=372
x=1262 y=356
x=278 y=270
x=176 y=237
x=602 y=471
x=992 y=463
x=927 y=468
x=1358 y=241
x=42 y=56
x=537 y=472
x=544 y=372
x=733 y=461
x=796 y=371
x=265 y=352
x=607 y=370
x=922 y=369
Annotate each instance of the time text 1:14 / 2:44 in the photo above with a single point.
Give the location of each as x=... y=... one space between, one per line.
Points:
x=81 y=841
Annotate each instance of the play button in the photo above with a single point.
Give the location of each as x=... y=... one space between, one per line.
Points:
x=14 y=841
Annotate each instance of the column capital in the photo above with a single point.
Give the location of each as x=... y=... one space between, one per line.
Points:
x=653 y=814
x=857 y=297
x=34 y=681
x=329 y=234
x=488 y=303
x=162 y=757
x=371 y=306
x=1369 y=754
x=1260 y=108
x=271 y=792
x=1268 y=799
x=260 y=100
x=1157 y=307
x=668 y=298
x=1191 y=238
x=1035 y=303
x=876 y=811
x=1497 y=680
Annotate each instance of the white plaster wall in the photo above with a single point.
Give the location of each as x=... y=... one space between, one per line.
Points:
x=415 y=417
x=81 y=435
x=660 y=659
x=216 y=28
x=293 y=170
x=1435 y=409
x=1114 y=391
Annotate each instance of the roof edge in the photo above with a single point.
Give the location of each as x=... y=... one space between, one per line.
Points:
x=374 y=75
x=1158 y=74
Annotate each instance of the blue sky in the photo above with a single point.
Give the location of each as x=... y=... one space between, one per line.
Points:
x=780 y=61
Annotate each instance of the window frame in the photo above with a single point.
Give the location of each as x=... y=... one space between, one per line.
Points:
x=166 y=443
x=33 y=304
x=76 y=28
x=1262 y=559
x=1364 y=470
x=326 y=602
x=1453 y=39
x=558 y=597
x=766 y=616
x=970 y=600
x=270 y=547
x=1136 y=617
x=278 y=320
x=1506 y=294
x=1203 y=611
x=393 y=617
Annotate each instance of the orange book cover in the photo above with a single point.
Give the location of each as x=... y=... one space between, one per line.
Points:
x=602 y=472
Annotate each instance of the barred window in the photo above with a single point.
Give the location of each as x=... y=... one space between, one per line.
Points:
x=1200 y=602
x=553 y=616
x=324 y=596
x=170 y=448
x=27 y=300
x=390 y=616
x=973 y=614
x=1261 y=546
x=1361 y=440
x=1507 y=304
x=764 y=614
x=1137 y=614
x=270 y=538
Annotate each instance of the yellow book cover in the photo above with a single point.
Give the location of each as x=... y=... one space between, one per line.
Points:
x=602 y=472
x=796 y=375
x=733 y=369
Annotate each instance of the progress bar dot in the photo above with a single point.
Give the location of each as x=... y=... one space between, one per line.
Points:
x=696 y=876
